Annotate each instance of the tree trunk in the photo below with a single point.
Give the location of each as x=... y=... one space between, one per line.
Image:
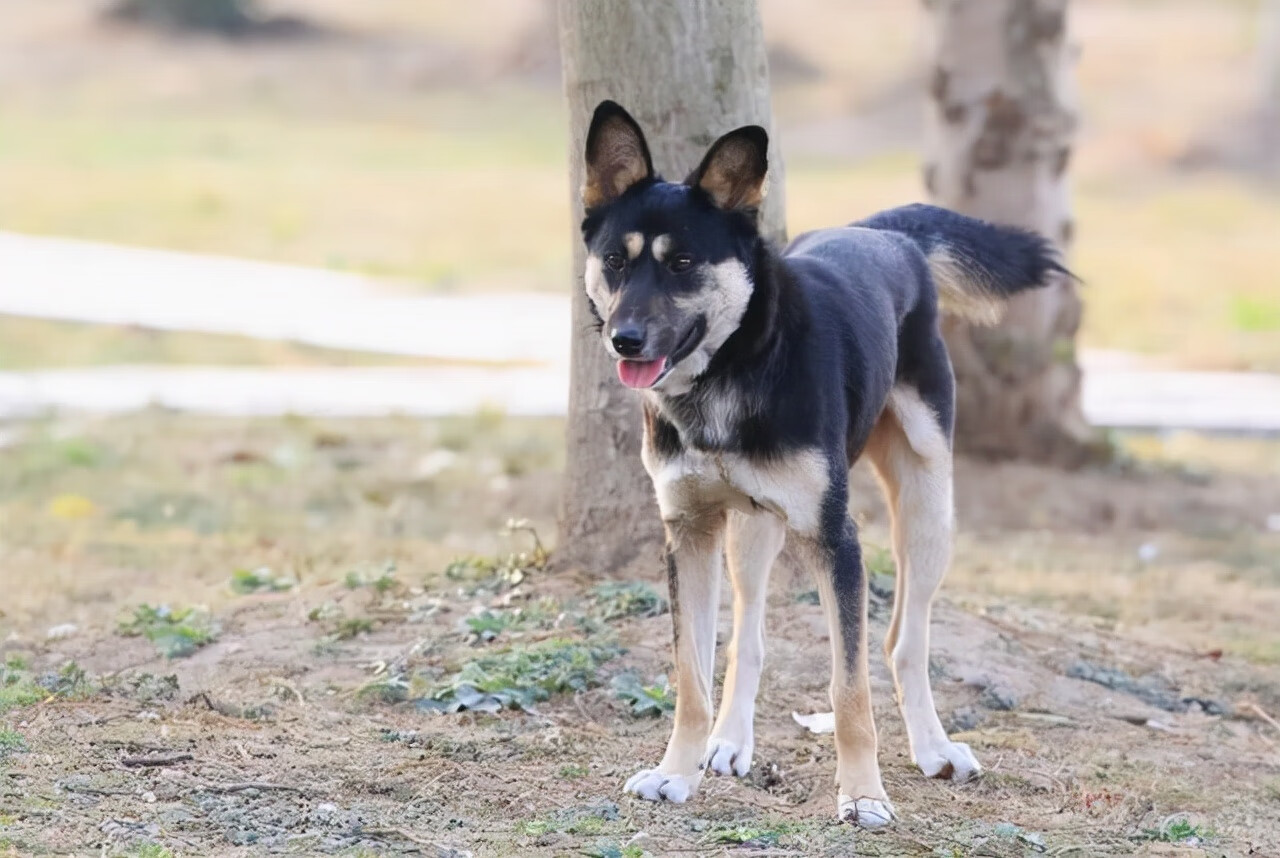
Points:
x=1000 y=125
x=688 y=71
x=1269 y=69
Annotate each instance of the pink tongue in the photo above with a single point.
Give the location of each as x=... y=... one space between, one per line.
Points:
x=640 y=373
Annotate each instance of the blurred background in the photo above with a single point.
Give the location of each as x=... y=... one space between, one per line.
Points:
x=283 y=349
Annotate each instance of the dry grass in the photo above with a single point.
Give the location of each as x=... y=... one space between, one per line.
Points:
x=296 y=686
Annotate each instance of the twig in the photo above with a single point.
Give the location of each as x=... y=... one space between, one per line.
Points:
x=248 y=785
x=1257 y=710
x=155 y=760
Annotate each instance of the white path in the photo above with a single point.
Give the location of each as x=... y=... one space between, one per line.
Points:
x=1211 y=402
x=82 y=281
x=56 y=278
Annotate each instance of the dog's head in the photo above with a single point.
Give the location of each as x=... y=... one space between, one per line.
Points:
x=668 y=265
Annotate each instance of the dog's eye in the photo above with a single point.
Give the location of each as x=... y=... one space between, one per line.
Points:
x=681 y=262
x=614 y=261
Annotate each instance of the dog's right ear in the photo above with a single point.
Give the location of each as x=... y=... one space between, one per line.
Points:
x=617 y=156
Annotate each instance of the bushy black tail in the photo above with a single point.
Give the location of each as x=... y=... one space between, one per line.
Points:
x=976 y=265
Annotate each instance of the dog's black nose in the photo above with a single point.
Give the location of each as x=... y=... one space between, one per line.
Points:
x=628 y=340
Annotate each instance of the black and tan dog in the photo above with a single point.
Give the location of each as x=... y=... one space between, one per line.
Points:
x=765 y=376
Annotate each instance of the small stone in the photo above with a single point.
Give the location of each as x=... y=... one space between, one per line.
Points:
x=149 y=797
x=61 y=631
x=1148 y=551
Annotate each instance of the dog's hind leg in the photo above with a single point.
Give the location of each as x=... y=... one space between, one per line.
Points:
x=694 y=567
x=752 y=545
x=912 y=457
x=836 y=561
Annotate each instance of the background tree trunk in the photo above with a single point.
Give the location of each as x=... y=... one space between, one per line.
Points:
x=1000 y=125
x=1269 y=69
x=688 y=71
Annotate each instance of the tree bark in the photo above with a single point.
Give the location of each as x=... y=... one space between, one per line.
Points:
x=1269 y=69
x=1000 y=125
x=688 y=71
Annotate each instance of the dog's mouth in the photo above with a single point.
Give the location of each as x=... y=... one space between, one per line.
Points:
x=642 y=374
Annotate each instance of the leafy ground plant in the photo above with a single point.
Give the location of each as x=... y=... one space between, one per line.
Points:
x=489 y=575
x=177 y=633
x=644 y=700
x=261 y=580
x=618 y=599
x=519 y=677
x=1178 y=829
x=17 y=688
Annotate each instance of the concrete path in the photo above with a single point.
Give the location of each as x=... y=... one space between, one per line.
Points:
x=1128 y=399
x=56 y=278
x=81 y=281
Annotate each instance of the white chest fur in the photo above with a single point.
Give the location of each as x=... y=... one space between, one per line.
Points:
x=693 y=483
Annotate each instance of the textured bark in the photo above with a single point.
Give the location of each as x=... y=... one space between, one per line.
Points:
x=1000 y=125
x=688 y=71
x=1269 y=68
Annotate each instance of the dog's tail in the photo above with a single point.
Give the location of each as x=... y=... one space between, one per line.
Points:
x=976 y=265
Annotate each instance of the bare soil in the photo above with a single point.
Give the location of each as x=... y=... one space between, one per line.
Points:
x=1106 y=644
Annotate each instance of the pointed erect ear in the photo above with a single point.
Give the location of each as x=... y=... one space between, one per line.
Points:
x=734 y=168
x=617 y=156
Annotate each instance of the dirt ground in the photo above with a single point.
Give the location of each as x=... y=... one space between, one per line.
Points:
x=1107 y=644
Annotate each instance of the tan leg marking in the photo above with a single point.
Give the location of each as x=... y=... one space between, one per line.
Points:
x=861 y=797
x=912 y=458
x=752 y=545
x=696 y=545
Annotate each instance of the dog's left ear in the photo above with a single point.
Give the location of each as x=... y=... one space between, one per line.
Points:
x=733 y=170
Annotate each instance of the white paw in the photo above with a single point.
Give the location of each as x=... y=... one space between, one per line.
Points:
x=654 y=785
x=951 y=760
x=865 y=812
x=725 y=756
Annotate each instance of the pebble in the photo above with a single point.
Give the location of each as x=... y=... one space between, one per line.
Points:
x=61 y=631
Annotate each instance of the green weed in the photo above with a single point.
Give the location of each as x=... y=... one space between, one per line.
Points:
x=245 y=581
x=573 y=772
x=1177 y=830
x=380 y=580
x=761 y=835
x=18 y=689
x=482 y=575
x=617 y=600
x=488 y=625
x=176 y=633
x=11 y=741
x=519 y=677
x=644 y=700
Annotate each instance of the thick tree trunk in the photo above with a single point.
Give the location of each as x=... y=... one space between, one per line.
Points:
x=1269 y=69
x=688 y=71
x=1001 y=121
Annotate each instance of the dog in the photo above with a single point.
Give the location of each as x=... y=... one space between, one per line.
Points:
x=765 y=376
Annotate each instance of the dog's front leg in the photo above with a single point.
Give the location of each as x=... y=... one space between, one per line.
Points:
x=836 y=561
x=752 y=544
x=694 y=561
